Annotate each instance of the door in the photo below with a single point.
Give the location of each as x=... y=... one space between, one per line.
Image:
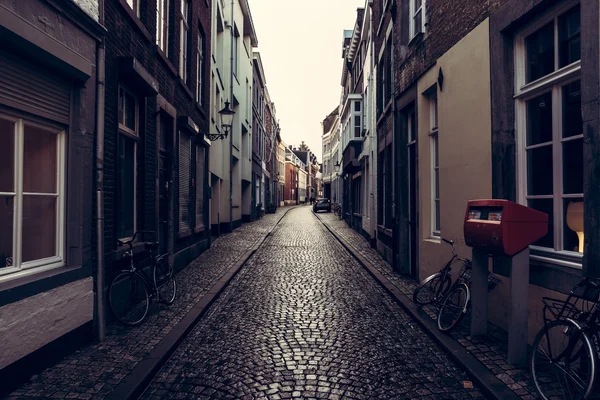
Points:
x=164 y=179
x=413 y=216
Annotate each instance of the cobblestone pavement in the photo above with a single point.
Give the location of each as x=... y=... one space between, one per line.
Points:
x=95 y=370
x=303 y=319
x=491 y=351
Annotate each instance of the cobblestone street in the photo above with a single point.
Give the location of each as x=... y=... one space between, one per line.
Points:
x=304 y=320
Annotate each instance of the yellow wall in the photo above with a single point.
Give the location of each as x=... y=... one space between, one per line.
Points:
x=464 y=121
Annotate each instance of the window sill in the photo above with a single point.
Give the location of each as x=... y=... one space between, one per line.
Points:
x=136 y=20
x=416 y=40
x=166 y=60
x=186 y=89
x=433 y=239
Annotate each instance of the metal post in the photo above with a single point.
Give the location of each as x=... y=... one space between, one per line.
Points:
x=479 y=293
x=519 y=309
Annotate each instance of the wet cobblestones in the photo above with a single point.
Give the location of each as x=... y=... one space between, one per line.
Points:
x=94 y=371
x=304 y=320
x=491 y=351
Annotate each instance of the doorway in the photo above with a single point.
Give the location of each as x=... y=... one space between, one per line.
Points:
x=164 y=179
x=413 y=214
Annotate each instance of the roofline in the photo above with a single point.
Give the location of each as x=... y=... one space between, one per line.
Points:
x=248 y=22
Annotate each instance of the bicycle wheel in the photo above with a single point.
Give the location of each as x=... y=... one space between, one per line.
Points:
x=454 y=307
x=431 y=288
x=563 y=363
x=164 y=281
x=128 y=298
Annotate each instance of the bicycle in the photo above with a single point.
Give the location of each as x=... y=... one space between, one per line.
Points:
x=452 y=299
x=131 y=290
x=565 y=351
x=337 y=209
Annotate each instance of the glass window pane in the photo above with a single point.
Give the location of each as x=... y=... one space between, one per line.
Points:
x=540 y=52
x=545 y=206
x=539 y=119
x=121 y=106
x=126 y=192
x=419 y=21
x=437 y=183
x=573 y=166
x=357 y=106
x=572 y=124
x=437 y=215
x=569 y=41
x=40 y=160
x=6 y=230
x=573 y=229
x=130 y=110
x=417 y=4
x=39 y=227
x=539 y=171
x=7 y=156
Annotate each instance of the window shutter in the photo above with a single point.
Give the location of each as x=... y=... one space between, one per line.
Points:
x=184 y=182
x=200 y=152
x=30 y=88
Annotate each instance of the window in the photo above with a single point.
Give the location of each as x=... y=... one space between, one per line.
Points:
x=31 y=195
x=357 y=113
x=127 y=162
x=185 y=155
x=135 y=6
x=183 y=37
x=200 y=68
x=236 y=51
x=435 y=166
x=550 y=130
x=200 y=168
x=387 y=91
x=162 y=24
x=380 y=84
x=417 y=17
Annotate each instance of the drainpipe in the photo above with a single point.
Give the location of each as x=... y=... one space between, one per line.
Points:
x=100 y=76
x=232 y=24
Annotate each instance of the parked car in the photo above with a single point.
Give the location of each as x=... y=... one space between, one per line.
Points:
x=322 y=204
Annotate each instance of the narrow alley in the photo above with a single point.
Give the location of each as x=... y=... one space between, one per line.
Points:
x=303 y=319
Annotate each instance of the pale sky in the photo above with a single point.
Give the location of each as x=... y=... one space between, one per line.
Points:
x=300 y=42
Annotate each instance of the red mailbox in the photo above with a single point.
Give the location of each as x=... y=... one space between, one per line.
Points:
x=501 y=227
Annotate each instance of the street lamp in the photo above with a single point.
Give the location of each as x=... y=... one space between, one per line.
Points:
x=336 y=167
x=226 y=115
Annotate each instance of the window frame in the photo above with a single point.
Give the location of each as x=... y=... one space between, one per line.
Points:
x=184 y=32
x=412 y=14
x=162 y=27
x=434 y=176
x=135 y=6
x=18 y=267
x=200 y=67
x=133 y=135
x=553 y=83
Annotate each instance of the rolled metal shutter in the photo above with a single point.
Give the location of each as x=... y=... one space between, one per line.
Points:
x=33 y=89
x=185 y=155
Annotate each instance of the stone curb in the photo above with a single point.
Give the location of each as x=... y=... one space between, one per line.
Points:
x=490 y=385
x=136 y=381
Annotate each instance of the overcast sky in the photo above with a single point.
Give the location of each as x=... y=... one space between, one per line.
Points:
x=301 y=48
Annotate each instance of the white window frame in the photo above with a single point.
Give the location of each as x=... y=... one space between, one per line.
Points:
x=434 y=178
x=19 y=268
x=131 y=135
x=413 y=13
x=162 y=25
x=199 y=67
x=553 y=83
x=183 y=39
x=135 y=6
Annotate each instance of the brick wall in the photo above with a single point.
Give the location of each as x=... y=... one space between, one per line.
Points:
x=128 y=36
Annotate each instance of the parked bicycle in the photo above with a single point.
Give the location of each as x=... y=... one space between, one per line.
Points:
x=453 y=299
x=131 y=290
x=565 y=351
x=337 y=209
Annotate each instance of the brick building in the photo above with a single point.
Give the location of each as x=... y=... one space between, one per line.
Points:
x=50 y=58
x=157 y=107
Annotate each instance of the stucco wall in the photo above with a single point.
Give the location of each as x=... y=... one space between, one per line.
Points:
x=464 y=143
x=31 y=323
x=89 y=6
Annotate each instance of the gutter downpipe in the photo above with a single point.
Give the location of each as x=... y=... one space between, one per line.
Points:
x=100 y=94
x=231 y=27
